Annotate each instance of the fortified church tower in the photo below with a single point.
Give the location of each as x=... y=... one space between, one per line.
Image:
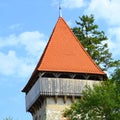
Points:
x=60 y=75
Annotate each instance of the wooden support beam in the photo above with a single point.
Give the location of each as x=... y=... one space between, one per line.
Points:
x=72 y=75
x=65 y=99
x=73 y=99
x=56 y=97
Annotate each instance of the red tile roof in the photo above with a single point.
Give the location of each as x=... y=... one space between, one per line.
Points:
x=64 y=53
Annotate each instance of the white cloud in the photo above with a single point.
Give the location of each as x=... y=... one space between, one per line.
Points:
x=34 y=42
x=13 y=65
x=16 y=26
x=11 y=40
x=22 y=62
x=8 y=62
x=71 y=4
x=105 y=9
x=114 y=42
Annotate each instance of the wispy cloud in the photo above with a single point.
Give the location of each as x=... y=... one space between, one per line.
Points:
x=11 y=64
x=34 y=42
x=8 y=63
x=16 y=26
x=10 y=40
x=114 y=41
x=21 y=62
x=70 y=4
x=108 y=11
x=105 y=9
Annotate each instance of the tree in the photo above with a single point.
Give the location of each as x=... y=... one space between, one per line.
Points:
x=116 y=75
x=100 y=103
x=94 y=41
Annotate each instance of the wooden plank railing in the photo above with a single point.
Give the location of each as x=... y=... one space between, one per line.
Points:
x=56 y=87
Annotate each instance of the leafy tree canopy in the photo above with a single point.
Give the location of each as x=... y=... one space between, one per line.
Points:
x=94 y=41
x=116 y=74
x=100 y=103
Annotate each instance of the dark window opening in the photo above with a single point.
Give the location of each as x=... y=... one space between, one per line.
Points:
x=64 y=76
x=94 y=77
x=79 y=77
x=50 y=75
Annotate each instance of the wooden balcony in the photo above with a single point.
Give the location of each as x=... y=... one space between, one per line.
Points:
x=56 y=87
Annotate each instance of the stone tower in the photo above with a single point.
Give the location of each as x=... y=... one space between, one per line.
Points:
x=60 y=75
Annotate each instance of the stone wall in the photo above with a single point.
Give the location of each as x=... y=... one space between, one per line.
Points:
x=49 y=97
x=40 y=114
x=52 y=109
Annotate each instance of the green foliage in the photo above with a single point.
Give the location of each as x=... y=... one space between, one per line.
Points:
x=94 y=41
x=116 y=74
x=100 y=103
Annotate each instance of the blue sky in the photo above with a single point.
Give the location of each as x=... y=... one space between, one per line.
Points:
x=25 y=27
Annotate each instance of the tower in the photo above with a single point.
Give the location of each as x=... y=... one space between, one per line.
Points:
x=60 y=75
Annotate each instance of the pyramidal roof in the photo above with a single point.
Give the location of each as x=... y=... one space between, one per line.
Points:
x=64 y=53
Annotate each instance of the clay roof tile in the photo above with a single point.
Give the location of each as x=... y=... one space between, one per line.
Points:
x=64 y=53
